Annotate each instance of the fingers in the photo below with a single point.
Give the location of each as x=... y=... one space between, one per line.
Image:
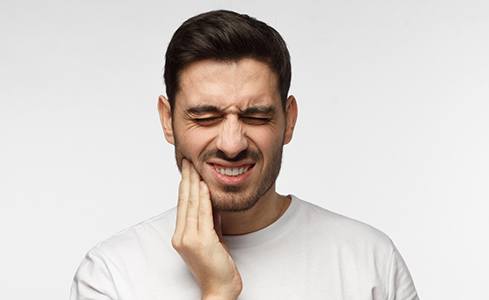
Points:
x=205 y=209
x=194 y=211
x=183 y=194
x=193 y=201
x=217 y=224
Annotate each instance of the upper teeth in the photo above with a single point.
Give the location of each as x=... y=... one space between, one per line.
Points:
x=232 y=171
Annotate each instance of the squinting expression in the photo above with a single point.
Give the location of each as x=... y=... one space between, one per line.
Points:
x=229 y=122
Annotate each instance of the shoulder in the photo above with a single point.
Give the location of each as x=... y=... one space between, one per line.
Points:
x=155 y=231
x=353 y=242
x=344 y=230
x=124 y=258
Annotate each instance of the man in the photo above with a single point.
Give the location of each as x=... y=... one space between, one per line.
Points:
x=231 y=236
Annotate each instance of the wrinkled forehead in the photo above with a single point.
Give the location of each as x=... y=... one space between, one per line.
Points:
x=226 y=84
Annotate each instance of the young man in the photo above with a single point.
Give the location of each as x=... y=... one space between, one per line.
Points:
x=228 y=115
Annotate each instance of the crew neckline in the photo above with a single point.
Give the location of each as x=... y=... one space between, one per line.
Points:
x=268 y=233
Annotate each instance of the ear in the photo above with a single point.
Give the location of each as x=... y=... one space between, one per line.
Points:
x=290 y=117
x=164 y=110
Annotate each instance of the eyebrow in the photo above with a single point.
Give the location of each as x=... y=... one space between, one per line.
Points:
x=265 y=110
x=205 y=109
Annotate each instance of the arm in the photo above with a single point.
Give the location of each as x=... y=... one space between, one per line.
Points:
x=92 y=279
x=401 y=285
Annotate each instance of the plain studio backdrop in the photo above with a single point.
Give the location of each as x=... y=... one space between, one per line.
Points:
x=393 y=129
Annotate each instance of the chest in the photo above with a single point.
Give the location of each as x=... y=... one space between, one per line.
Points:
x=301 y=270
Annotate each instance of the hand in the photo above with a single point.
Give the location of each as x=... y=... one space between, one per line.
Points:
x=198 y=243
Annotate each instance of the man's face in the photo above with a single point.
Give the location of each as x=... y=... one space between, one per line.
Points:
x=229 y=122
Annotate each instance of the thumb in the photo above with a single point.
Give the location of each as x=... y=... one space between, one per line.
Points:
x=216 y=216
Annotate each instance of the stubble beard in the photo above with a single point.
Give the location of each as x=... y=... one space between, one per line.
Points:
x=232 y=198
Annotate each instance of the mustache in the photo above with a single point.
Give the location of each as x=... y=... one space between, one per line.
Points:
x=245 y=154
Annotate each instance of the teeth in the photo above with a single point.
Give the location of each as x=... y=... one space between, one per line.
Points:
x=232 y=171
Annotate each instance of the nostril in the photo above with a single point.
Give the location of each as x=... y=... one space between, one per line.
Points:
x=232 y=150
x=233 y=158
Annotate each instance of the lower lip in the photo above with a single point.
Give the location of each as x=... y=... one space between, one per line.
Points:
x=232 y=180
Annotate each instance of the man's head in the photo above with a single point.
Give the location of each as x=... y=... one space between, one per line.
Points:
x=227 y=78
x=225 y=36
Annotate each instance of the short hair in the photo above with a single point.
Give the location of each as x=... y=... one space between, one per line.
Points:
x=225 y=36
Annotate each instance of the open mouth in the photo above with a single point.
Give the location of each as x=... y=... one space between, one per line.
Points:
x=232 y=175
x=236 y=171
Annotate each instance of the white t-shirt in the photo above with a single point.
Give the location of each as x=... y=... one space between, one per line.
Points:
x=308 y=253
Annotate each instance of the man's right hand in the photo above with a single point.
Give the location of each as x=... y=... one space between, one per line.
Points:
x=198 y=243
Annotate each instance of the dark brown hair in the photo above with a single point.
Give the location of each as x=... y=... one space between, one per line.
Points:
x=225 y=35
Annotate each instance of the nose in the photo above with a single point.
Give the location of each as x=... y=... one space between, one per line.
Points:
x=232 y=139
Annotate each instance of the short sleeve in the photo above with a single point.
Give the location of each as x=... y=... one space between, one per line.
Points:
x=93 y=280
x=401 y=285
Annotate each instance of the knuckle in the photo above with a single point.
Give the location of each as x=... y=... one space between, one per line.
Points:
x=176 y=242
x=188 y=241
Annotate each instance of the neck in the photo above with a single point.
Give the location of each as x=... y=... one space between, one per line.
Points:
x=269 y=208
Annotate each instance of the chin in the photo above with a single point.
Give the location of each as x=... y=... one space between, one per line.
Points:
x=232 y=199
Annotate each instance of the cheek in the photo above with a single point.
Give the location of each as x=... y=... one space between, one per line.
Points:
x=191 y=143
x=267 y=140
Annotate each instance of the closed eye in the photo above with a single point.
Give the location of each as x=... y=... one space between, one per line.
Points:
x=255 y=120
x=207 y=121
x=214 y=120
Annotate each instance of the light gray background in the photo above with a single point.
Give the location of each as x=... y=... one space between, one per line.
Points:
x=393 y=128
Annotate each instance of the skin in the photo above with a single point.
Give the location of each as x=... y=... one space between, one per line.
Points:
x=234 y=132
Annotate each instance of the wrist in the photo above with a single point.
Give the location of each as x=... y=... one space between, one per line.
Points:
x=219 y=297
x=221 y=292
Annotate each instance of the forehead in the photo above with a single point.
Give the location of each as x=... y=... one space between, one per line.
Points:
x=227 y=84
